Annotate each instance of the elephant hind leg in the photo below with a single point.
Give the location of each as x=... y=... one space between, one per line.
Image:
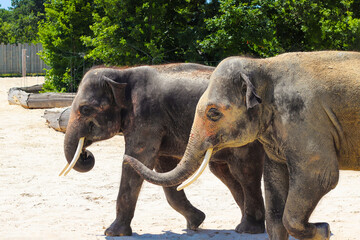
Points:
x=296 y=217
x=306 y=188
x=177 y=199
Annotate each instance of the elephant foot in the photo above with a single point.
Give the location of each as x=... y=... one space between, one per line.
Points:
x=196 y=220
x=322 y=232
x=250 y=226
x=117 y=229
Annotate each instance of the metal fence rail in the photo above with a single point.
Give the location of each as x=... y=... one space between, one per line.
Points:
x=11 y=62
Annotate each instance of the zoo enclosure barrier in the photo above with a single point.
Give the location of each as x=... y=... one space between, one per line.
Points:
x=11 y=58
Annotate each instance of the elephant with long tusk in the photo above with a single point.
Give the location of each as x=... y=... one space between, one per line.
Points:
x=153 y=107
x=305 y=110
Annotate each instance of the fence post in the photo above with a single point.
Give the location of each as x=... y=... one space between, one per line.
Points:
x=24 y=65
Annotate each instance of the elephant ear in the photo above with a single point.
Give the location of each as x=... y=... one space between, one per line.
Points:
x=118 y=91
x=252 y=99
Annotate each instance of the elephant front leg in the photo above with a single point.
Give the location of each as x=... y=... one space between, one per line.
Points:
x=144 y=147
x=130 y=186
x=177 y=199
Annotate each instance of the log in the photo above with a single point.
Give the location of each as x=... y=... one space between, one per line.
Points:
x=33 y=100
x=50 y=100
x=57 y=118
x=17 y=97
x=33 y=89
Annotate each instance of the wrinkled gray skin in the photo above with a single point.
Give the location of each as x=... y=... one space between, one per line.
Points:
x=154 y=107
x=305 y=110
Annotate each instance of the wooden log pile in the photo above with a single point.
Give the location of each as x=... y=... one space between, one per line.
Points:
x=29 y=97
x=58 y=112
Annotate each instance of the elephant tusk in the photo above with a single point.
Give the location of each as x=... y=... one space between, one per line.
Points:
x=70 y=166
x=67 y=165
x=198 y=172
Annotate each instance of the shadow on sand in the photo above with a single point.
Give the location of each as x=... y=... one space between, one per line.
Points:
x=201 y=234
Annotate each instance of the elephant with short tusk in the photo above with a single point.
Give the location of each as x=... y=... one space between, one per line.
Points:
x=305 y=110
x=153 y=106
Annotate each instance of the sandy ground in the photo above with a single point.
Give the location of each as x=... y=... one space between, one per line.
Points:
x=35 y=203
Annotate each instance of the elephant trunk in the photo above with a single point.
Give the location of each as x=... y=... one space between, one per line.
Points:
x=190 y=162
x=85 y=160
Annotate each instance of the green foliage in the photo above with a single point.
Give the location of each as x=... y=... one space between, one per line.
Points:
x=5 y=26
x=20 y=23
x=308 y=25
x=128 y=32
x=240 y=27
x=27 y=14
x=66 y=21
x=268 y=27
x=5 y=32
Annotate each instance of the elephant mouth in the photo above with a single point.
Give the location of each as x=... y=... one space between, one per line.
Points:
x=87 y=143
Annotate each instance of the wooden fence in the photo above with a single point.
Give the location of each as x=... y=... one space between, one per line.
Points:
x=11 y=58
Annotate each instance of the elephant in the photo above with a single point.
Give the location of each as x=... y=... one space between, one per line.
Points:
x=153 y=107
x=304 y=108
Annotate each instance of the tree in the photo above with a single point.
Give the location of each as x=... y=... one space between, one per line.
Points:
x=320 y=25
x=26 y=15
x=5 y=26
x=66 y=21
x=240 y=27
x=128 y=32
x=19 y=24
x=268 y=27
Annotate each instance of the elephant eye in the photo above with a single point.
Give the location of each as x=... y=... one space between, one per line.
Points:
x=213 y=114
x=86 y=110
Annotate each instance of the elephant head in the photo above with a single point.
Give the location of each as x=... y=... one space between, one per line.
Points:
x=95 y=115
x=227 y=115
